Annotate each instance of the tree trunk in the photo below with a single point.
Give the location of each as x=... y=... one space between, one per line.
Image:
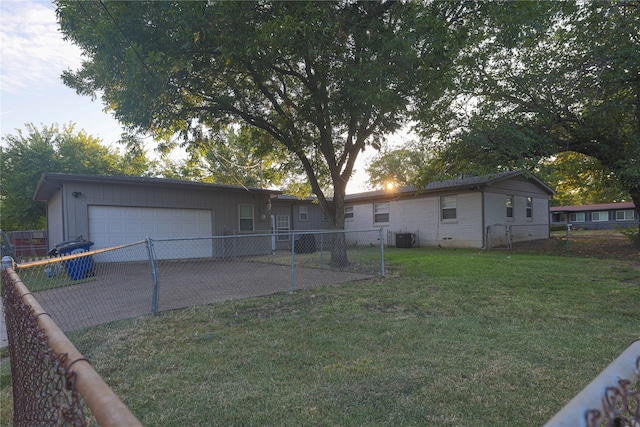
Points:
x=339 y=251
x=339 y=247
x=635 y=196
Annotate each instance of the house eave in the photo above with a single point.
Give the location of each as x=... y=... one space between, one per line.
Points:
x=49 y=183
x=466 y=184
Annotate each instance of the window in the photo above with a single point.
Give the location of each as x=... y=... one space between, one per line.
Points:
x=529 y=207
x=509 y=203
x=600 y=216
x=576 y=217
x=303 y=213
x=380 y=212
x=246 y=217
x=348 y=212
x=624 y=215
x=448 y=207
x=282 y=228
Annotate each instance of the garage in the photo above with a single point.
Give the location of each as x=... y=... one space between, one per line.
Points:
x=116 y=210
x=115 y=225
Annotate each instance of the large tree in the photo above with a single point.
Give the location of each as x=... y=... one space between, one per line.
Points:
x=234 y=156
x=401 y=166
x=324 y=79
x=580 y=180
x=570 y=82
x=29 y=153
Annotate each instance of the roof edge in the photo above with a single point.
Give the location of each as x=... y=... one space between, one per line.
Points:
x=450 y=184
x=54 y=179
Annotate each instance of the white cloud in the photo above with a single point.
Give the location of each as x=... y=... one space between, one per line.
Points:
x=32 y=51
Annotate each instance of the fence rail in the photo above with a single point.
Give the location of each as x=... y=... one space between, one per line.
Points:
x=611 y=399
x=100 y=286
x=503 y=236
x=50 y=378
x=74 y=297
x=71 y=294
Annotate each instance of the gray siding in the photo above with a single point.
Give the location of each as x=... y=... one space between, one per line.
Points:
x=291 y=209
x=224 y=204
x=314 y=216
x=517 y=185
x=500 y=228
x=55 y=221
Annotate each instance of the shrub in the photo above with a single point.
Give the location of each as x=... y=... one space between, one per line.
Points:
x=631 y=233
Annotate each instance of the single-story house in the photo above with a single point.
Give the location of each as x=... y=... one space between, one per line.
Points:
x=469 y=212
x=595 y=217
x=116 y=210
x=475 y=212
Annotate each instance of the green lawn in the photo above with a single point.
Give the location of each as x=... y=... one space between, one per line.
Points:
x=449 y=338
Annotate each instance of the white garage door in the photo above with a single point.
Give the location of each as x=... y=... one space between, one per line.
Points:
x=113 y=225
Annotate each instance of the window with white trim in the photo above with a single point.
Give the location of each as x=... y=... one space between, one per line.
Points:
x=576 y=217
x=448 y=205
x=509 y=205
x=348 y=212
x=303 y=213
x=380 y=213
x=529 y=207
x=245 y=213
x=600 y=216
x=282 y=228
x=624 y=215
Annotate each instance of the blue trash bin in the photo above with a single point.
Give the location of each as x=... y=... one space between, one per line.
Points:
x=78 y=268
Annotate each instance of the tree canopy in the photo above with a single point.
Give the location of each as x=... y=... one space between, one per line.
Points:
x=325 y=80
x=234 y=156
x=401 y=166
x=30 y=153
x=569 y=82
x=580 y=180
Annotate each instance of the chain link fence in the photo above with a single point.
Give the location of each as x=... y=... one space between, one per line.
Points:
x=612 y=399
x=52 y=383
x=77 y=289
x=43 y=390
x=503 y=236
x=90 y=287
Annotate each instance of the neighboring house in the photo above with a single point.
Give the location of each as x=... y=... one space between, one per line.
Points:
x=595 y=217
x=115 y=210
x=472 y=212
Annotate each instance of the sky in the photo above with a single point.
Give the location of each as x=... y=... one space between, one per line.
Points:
x=33 y=56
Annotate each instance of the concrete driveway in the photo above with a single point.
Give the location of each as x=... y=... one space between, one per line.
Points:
x=122 y=291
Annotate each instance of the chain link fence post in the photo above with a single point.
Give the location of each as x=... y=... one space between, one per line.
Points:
x=381 y=238
x=154 y=276
x=321 y=251
x=293 y=262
